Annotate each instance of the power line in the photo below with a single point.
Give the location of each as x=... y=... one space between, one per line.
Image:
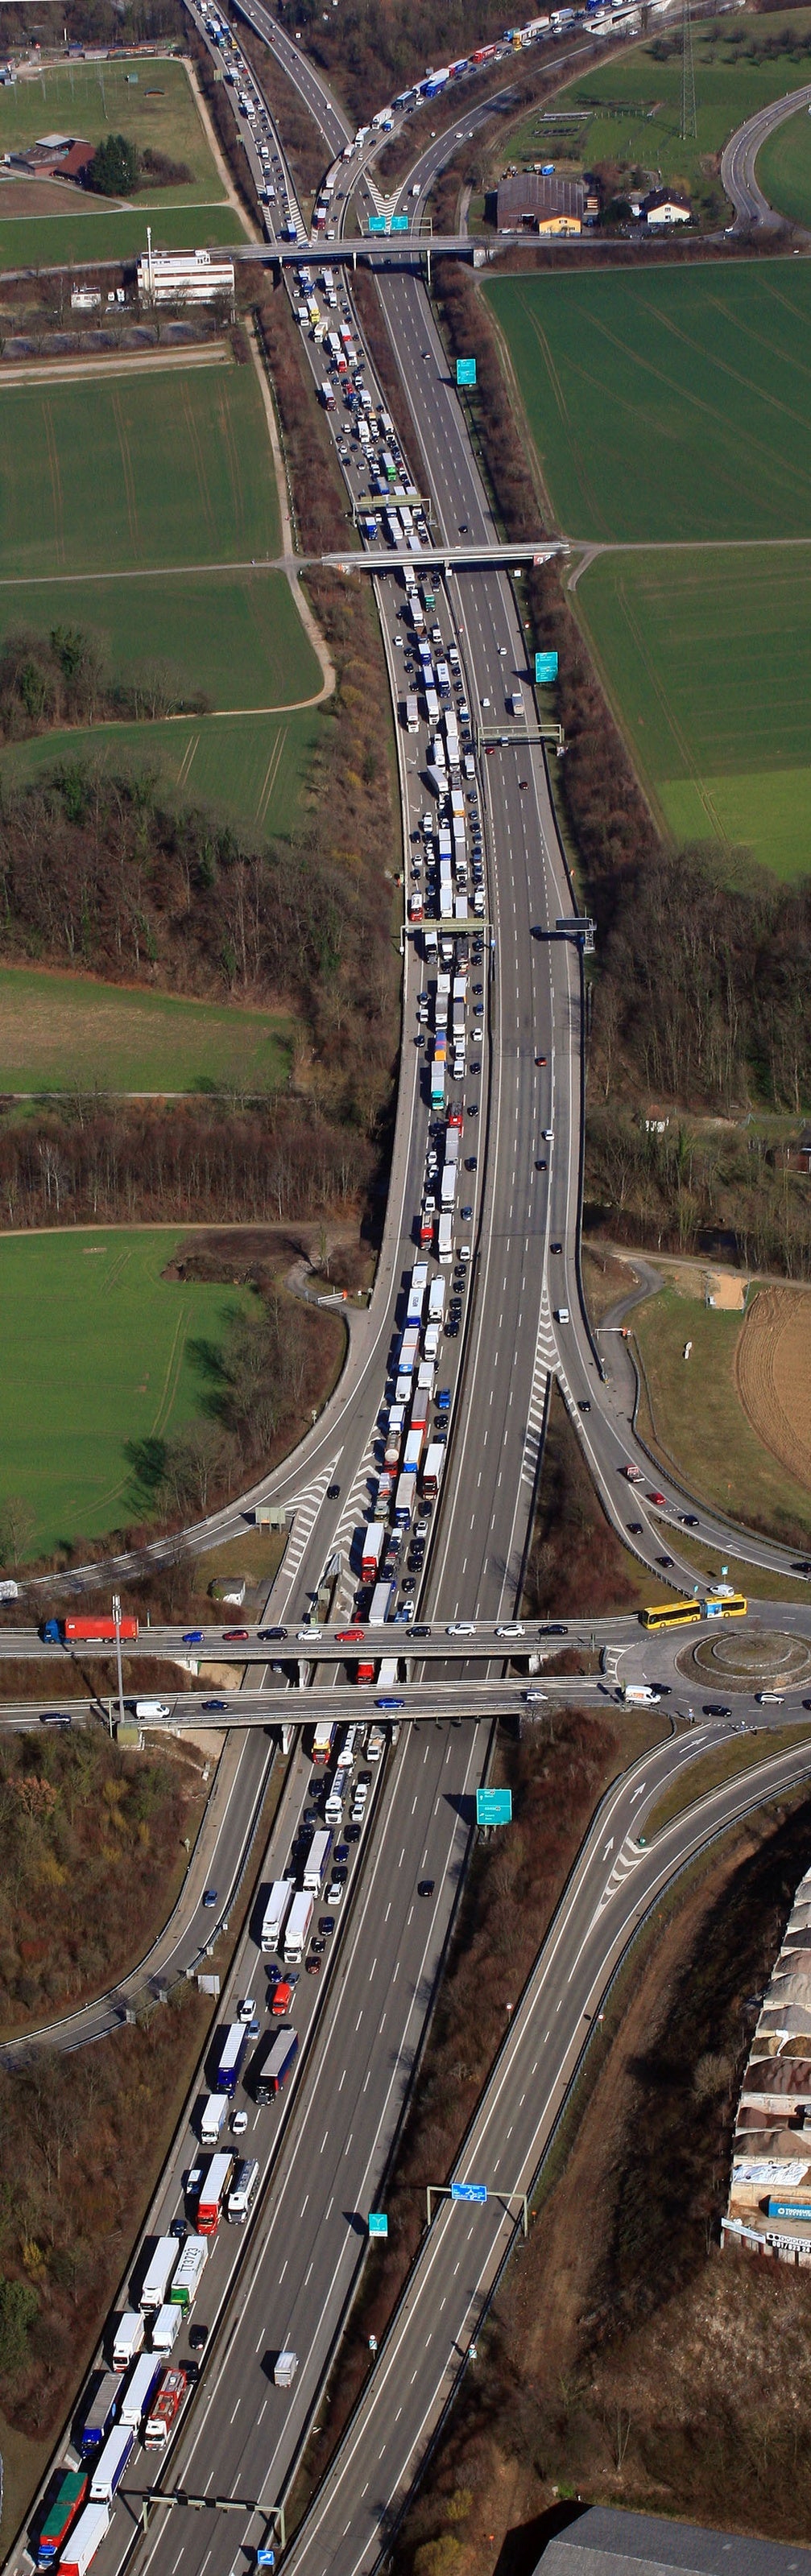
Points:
x=688 y=76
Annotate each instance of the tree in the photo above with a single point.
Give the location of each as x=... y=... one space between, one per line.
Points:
x=19 y=2309
x=113 y=171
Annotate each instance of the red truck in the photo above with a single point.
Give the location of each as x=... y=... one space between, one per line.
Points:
x=165 y=2408
x=99 y=1631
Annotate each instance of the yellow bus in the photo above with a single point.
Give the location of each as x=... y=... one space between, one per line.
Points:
x=679 y=1614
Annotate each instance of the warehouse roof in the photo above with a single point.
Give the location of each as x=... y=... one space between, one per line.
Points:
x=604 y=2542
x=528 y=198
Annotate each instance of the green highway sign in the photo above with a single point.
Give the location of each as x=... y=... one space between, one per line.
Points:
x=378 y=224
x=494 y=1806
x=399 y=223
x=546 y=668
x=466 y=371
x=378 y=2223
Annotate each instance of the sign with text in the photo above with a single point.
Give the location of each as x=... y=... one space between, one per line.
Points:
x=466 y=371
x=469 y=2191
x=546 y=668
x=378 y=224
x=378 y=2222
x=399 y=223
x=494 y=1806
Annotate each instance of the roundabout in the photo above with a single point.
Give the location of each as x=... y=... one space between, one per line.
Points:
x=751 y=1658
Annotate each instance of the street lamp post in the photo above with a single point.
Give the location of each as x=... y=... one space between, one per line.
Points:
x=117 y=1618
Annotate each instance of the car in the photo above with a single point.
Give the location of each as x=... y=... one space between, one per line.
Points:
x=689 y=1520
x=715 y=1708
x=422 y=1526
x=584 y=1404
x=425 y=1887
x=333 y=1493
x=664 y=1560
x=421 y=1631
x=352 y=1830
x=253 y=2027
x=554 y=1628
x=313 y=1965
x=466 y=1214
x=349 y=1637
x=271 y=1636
x=235 y=1636
x=540 y=1059
x=55 y=1717
x=335 y=1892
x=656 y=1498
x=340 y=1875
x=179 y=2228
x=540 y=1164
x=531 y=1698
x=802 y=1565
x=473 y=1108
x=304 y=1636
x=214 y=1707
x=460 y=1628
x=247 y=2009
x=556 y=1247
x=210 y=1897
x=511 y=1628
x=239 y=2123
x=193 y=1637
x=326 y=1925
x=635 y=1528
x=198 y=2337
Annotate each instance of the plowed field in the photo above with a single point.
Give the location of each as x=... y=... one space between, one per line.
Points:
x=773 y=1374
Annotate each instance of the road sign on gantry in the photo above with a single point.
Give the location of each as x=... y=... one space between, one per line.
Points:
x=546 y=668
x=469 y=2191
x=466 y=371
x=399 y=223
x=378 y=224
x=494 y=1806
x=378 y=2223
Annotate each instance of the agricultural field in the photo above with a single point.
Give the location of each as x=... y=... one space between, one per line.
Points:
x=784 y=169
x=235 y=637
x=98 y=1351
x=250 y=769
x=707 y=658
x=699 y=1421
x=155 y=105
x=152 y=470
x=65 y=1033
x=626 y=113
x=672 y=409
x=667 y=404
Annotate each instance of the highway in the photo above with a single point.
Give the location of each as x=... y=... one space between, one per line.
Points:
x=752 y=209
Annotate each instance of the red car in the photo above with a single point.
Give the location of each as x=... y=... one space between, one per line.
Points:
x=656 y=1498
x=349 y=1637
x=235 y=1636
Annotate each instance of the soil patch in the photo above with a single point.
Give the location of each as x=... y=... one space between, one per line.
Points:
x=773 y=1376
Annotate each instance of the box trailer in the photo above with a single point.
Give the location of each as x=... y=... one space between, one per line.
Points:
x=242 y=2191
x=372 y=1543
x=140 y=2389
x=212 y=2194
x=274 y=1914
x=213 y=2117
x=231 y=2058
x=101 y=2413
x=167 y=2327
x=277 y=2064
x=111 y=2463
x=315 y=1865
x=187 y=2278
x=86 y=2537
x=297 y=1929
x=158 y=2275
x=128 y=2338
x=62 y=2513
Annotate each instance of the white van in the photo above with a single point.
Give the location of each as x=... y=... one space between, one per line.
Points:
x=147 y=1708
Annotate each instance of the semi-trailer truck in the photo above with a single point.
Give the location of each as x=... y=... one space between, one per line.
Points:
x=316 y=1863
x=242 y=2191
x=445 y=1236
x=165 y=2409
x=86 y=2537
x=322 y=1744
x=274 y=1914
x=394 y=1435
x=166 y=2328
x=277 y=2066
x=186 y=2280
x=111 y=2463
x=101 y=2413
x=436 y=1300
x=95 y=1631
x=372 y=1544
x=433 y=1464
x=231 y=2058
x=128 y=2338
x=159 y=2273
x=416 y=1292
x=66 y=2504
x=213 y=2189
x=139 y=2391
x=297 y=1928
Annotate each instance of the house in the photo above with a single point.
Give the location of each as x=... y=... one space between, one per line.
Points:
x=531 y=203
x=53 y=156
x=664 y=206
x=605 y=2541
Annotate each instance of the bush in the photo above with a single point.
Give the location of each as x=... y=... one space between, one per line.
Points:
x=113 y=171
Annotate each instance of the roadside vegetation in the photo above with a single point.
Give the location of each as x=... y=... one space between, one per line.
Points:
x=575 y=1557
x=78 y=1036
x=692 y=1413
x=626 y=2362
x=91 y=1854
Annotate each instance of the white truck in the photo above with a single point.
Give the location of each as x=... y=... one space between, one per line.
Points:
x=214 y=2113
x=84 y=2540
x=167 y=2326
x=159 y=2274
x=128 y=2338
x=186 y=2280
x=242 y=2190
x=273 y=1918
x=297 y=1928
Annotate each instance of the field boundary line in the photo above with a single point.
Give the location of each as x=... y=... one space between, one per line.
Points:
x=250 y=229
x=114 y=362
x=329 y=677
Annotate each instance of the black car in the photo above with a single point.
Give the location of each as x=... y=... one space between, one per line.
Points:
x=326 y=1924
x=198 y=2336
x=635 y=1528
x=472 y=1163
x=664 y=1560
x=555 y=1628
x=473 y=1108
x=353 y=1831
x=556 y=1247
x=713 y=1708
x=333 y=1493
x=271 y=1636
x=425 y=1887
x=802 y=1565
x=421 y=1632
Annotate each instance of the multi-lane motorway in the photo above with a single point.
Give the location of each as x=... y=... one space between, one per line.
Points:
x=323 y=2150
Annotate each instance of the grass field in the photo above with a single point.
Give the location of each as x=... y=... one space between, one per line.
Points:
x=784 y=169
x=237 y=637
x=67 y=1033
x=668 y=403
x=49 y=241
x=700 y=1423
x=252 y=768
x=152 y=103
x=173 y=468
x=708 y=658
x=725 y=1762
x=628 y=111
x=96 y=1353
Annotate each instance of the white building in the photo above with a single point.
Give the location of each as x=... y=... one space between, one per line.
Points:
x=665 y=206
x=183 y=277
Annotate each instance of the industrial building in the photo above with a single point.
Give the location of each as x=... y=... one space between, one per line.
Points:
x=769 y=2206
x=604 y=2541
x=184 y=277
x=530 y=202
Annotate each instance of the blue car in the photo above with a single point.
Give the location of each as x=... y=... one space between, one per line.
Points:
x=210 y=1897
x=193 y=1637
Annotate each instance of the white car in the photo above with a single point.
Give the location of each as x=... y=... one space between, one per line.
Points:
x=304 y=1636
x=335 y=1893
x=239 y=2123
x=247 y=2009
x=460 y=1628
x=511 y=1628
x=561 y=1314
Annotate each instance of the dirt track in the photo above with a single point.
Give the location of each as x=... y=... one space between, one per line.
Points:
x=773 y=1376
